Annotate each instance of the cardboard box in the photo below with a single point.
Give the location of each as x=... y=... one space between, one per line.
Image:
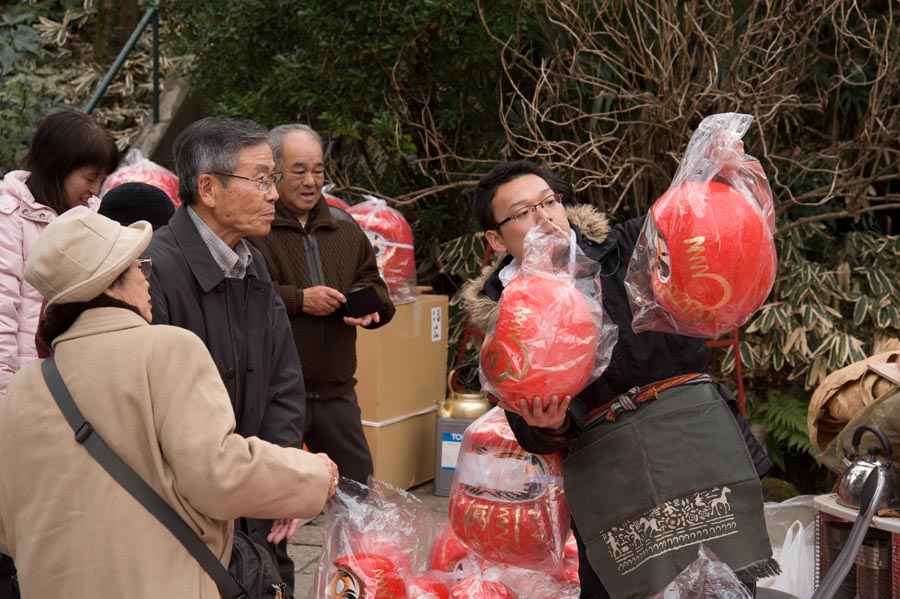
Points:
x=403 y=448
x=401 y=368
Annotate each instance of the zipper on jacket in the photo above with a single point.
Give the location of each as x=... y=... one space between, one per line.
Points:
x=317 y=277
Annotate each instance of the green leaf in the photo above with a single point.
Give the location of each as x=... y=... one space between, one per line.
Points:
x=861 y=309
x=748 y=355
x=777 y=360
x=879 y=284
x=728 y=363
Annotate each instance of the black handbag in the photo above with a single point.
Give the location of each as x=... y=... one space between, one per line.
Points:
x=9 y=584
x=254 y=568
x=252 y=572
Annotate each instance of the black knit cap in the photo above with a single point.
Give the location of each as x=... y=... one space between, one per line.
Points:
x=130 y=202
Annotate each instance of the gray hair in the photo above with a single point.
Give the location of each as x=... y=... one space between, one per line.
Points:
x=276 y=139
x=211 y=145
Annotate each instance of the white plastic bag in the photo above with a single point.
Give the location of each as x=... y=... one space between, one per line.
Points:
x=797 y=557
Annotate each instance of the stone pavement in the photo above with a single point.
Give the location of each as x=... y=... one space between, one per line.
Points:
x=305 y=547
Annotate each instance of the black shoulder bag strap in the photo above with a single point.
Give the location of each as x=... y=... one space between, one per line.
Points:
x=135 y=485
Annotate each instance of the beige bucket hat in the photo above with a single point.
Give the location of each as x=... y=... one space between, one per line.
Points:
x=79 y=255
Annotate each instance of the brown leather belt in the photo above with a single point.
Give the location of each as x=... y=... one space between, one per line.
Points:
x=634 y=397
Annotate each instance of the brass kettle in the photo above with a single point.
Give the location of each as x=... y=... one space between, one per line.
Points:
x=465 y=405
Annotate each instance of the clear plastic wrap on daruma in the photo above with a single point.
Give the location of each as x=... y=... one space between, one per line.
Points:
x=332 y=199
x=507 y=505
x=706 y=578
x=551 y=337
x=377 y=542
x=135 y=168
x=705 y=260
x=485 y=580
x=392 y=239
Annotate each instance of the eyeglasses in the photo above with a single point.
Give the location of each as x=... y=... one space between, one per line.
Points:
x=547 y=203
x=266 y=182
x=146 y=266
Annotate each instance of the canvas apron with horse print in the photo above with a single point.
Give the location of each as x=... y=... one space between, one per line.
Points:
x=650 y=484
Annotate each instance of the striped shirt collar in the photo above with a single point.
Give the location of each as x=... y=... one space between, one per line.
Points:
x=234 y=263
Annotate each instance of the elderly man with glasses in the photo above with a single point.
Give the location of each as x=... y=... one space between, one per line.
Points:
x=208 y=279
x=316 y=254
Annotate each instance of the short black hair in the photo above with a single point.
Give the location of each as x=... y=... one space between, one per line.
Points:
x=504 y=173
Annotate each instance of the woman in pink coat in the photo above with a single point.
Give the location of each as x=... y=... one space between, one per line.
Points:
x=67 y=161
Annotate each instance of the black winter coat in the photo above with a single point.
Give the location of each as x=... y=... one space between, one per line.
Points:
x=243 y=324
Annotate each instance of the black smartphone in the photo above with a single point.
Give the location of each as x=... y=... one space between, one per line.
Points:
x=361 y=301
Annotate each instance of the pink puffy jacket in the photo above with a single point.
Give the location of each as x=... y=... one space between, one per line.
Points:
x=22 y=219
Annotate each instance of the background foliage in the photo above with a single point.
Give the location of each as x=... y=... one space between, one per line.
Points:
x=417 y=99
x=51 y=58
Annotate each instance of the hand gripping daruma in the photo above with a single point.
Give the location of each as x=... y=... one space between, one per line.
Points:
x=506 y=504
x=366 y=576
x=712 y=257
x=392 y=239
x=544 y=342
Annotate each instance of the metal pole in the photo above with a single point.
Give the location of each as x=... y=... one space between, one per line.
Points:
x=156 y=65
x=120 y=60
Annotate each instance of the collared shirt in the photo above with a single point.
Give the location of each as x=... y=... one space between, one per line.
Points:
x=234 y=263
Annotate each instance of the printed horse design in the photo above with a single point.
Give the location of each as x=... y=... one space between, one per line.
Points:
x=720 y=501
x=649 y=524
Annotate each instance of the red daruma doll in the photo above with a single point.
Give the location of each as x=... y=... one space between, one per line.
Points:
x=332 y=199
x=508 y=505
x=715 y=259
x=137 y=169
x=366 y=576
x=392 y=239
x=547 y=339
x=705 y=260
x=534 y=354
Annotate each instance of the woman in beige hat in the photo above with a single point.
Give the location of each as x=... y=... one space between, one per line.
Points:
x=155 y=396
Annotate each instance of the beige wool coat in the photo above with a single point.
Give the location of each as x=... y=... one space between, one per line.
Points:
x=155 y=396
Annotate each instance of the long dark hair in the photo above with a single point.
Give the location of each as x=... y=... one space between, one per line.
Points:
x=59 y=317
x=64 y=142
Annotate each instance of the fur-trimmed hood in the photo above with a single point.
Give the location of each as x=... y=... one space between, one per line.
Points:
x=482 y=311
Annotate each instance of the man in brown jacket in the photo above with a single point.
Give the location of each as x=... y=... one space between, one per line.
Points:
x=316 y=254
